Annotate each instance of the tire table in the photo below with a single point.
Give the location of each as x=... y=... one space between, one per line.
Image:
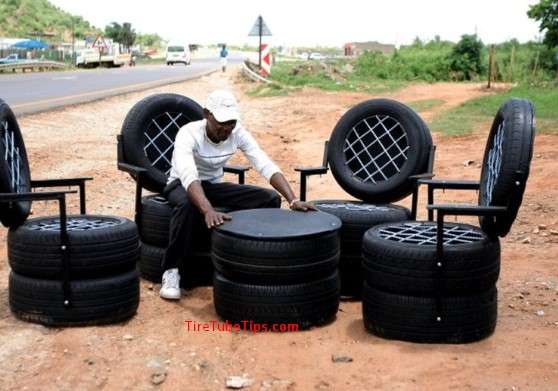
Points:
x=275 y=266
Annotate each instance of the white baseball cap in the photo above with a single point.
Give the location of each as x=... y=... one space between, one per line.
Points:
x=222 y=104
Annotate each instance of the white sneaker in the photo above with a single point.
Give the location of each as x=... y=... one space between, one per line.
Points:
x=170 y=288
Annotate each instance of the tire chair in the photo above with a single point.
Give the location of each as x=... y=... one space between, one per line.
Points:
x=432 y=281
x=377 y=152
x=145 y=148
x=66 y=270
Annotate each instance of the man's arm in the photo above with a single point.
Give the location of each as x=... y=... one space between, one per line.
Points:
x=280 y=183
x=198 y=198
x=269 y=170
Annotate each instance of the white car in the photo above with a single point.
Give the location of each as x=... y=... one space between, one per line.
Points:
x=178 y=54
x=316 y=56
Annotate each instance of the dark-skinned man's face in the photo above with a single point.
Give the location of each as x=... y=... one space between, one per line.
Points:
x=218 y=131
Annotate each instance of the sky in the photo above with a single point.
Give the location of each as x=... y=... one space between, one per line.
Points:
x=314 y=23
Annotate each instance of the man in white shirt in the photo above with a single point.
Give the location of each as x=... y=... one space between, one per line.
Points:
x=201 y=149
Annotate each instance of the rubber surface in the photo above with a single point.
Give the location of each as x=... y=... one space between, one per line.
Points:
x=13 y=159
x=411 y=269
x=141 y=122
x=93 y=302
x=357 y=217
x=463 y=319
x=310 y=304
x=34 y=247
x=515 y=123
x=275 y=223
x=397 y=185
x=275 y=262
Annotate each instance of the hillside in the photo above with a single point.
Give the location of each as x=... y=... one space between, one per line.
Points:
x=22 y=18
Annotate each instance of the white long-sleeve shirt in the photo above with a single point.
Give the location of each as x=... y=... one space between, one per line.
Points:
x=196 y=157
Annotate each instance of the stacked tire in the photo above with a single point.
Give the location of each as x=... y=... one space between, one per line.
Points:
x=373 y=151
x=277 y=267
x=414 y=293
x=357 y=217
x=101 y=276
x=406 y=296
x=154 y=232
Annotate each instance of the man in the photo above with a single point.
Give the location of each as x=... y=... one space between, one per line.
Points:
x=223 y=54
x=201 y=149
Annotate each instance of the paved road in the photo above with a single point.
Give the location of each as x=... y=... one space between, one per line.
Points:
x=34 y=92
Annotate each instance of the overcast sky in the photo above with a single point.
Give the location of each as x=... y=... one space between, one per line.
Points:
x=326 y=23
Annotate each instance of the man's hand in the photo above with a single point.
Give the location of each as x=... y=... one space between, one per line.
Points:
x=214 y=218
x=302 y=206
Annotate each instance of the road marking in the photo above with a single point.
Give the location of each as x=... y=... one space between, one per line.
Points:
x=64 y=78
x=111 y=90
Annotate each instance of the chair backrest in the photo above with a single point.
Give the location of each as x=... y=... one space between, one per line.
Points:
x=506 y=163
x=15 y=176
x=376 y=147
x=148 y=134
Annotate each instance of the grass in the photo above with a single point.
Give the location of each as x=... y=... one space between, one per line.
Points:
x=426 y=104
x=334 y=78
x=268 y=90
x=462 y=119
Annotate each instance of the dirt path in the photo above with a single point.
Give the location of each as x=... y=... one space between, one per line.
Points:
x=80 y=140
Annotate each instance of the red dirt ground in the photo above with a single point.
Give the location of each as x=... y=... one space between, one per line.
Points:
x=80 y=141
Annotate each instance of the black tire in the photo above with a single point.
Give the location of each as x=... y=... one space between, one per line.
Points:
x=264 y=262
x=357 y=217
x=197 y=270
x=463 y=318
x=411 y=269
x=506 y=163
x=388 y=182
x=99 y=246
x=155 y=223
x=93 y=302
x=145 y=118
x=15 y=176
x=310 y=304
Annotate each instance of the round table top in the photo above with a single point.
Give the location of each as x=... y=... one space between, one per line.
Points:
x=278 y=223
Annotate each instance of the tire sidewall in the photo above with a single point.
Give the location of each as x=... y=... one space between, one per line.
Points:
x=138 y=119
x=399 y=185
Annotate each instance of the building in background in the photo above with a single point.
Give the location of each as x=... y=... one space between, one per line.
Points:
x=357 y=48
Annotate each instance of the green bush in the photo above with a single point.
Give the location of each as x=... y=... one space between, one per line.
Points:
x=466 y=58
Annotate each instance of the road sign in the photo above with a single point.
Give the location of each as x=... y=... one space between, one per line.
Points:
x=265 y=60
x=259 y=28
x=100 y=43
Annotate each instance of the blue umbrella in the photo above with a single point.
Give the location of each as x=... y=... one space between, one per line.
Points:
x=30 y=44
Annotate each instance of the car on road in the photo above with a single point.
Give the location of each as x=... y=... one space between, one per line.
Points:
x=178 y=54
x=12 y=58
x=316 y=56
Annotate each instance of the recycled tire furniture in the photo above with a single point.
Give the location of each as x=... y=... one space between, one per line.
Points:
x=376 y=147
x=396 y=142
x=14 y=168
x=435 y=281
x=145 y=148
x=277 y=266
x=357 y=217
x=66 y=270
x=148 y=134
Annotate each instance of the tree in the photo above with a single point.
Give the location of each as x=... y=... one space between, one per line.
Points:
x=123 y=34
x=546 y=13
x=466 y=57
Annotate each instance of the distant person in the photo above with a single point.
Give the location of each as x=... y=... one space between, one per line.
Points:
x=224 y=54
x=194 y=186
